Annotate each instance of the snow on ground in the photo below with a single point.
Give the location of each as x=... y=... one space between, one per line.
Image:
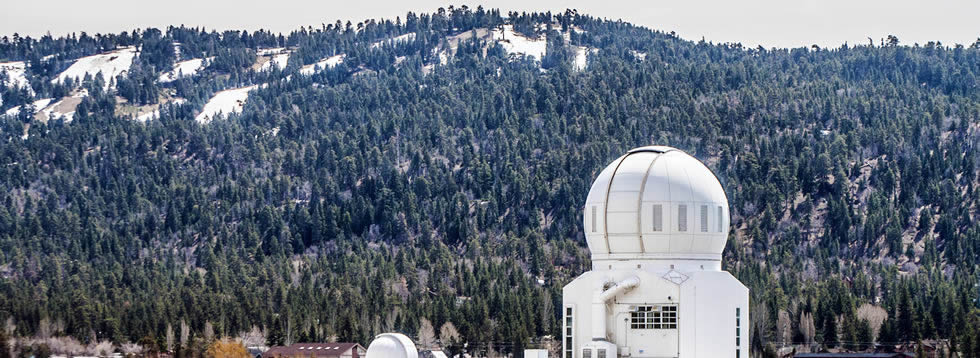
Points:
x=582 y=56
x=514 y=42
x=182 y=69
x=110 y=64
x=223 y=103
x=279 y=60
x=270 y=51
x=47 y=108
x=639 y=55
x=409 y=37
x=38 y=106
x=155 y=113
x=16 y=73
x=268 y=57
x=328 y=62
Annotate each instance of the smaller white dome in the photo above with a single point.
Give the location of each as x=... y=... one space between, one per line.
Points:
x=656 y=203
x=392 y=345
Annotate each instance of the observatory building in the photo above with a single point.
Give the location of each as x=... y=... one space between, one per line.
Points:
x=656 y=221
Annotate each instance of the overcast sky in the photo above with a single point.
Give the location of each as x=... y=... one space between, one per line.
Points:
x=770 y=23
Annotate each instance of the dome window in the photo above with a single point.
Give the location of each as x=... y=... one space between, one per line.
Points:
x=721 y=220
x=658 y=217
x=682 y=217
x=593 y=219
x=704 y=218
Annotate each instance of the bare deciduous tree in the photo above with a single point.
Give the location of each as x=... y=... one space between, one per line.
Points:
x=64 y=345
x=185 y=333
x=874 y=315
x=427 y=334
x=170 y=338
x=208 y=332
x=807 y=328
x=131 y=349
x=784 y=328
x=101 y=349
x=253 y=338
x=448 y=334
x=45 y=328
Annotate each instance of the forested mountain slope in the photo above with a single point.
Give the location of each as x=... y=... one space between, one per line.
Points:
x=374 y=177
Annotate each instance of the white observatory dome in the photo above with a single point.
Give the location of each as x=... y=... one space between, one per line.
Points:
x=656 y=203
x=392 y=345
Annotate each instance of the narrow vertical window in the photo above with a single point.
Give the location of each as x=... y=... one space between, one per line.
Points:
x=568 y=349
x=721 y=220
x=738 y=332
x=593 y=219
x=682 y=217
x=658 y=217
x=704 y=218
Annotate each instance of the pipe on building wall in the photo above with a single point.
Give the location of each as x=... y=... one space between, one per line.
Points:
x=599 y=301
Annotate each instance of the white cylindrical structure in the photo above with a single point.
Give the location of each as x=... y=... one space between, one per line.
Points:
x=392 y=345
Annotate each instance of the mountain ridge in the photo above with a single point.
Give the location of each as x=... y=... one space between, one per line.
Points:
x=425 y=179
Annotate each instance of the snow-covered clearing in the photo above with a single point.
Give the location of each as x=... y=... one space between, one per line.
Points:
x=16 y=73
x=279 y=60
x=582 y=56
x=224 y=102
x=38 y=106
x=155 y=112
x=47 y=108
x=514 y=42
x=328 y=62
x=182 y=69
x=110 y=64
x=409 y=37
x=268 y=57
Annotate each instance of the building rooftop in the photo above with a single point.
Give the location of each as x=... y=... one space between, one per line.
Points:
x=311 y=349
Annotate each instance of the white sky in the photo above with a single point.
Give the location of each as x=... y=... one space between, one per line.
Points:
x=771 y=23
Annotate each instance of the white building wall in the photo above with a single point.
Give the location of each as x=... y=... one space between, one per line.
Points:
x=706 y=302
x=708 y=317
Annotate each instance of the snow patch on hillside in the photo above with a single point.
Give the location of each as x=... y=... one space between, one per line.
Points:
x=155 y=113
x=38 y=106
x=329 y=62
x=16 y=74
x=514 y=42
x=582 y=56
x=224 y=103
x=270 y=51
x=46 y=109
x=409 y=37
x=278 y=60
x=269 y=57
x=182 y=69
x=110 y=64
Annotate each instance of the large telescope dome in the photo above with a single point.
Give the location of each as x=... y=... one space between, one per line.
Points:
x=392 y=345
x=656 y=203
